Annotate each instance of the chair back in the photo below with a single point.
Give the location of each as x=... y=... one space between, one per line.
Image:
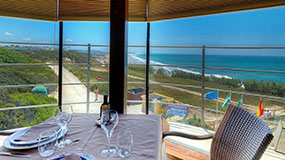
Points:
x=240 y=136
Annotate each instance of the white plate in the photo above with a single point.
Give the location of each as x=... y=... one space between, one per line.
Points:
x=24 y=143
x=83 y=156
x=7 y=143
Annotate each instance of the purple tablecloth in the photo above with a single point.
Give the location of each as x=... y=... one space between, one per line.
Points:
x=146 y=129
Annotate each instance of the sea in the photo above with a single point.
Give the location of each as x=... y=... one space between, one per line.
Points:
x=272 y=63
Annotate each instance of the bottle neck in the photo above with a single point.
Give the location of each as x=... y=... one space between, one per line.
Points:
x=105 y=99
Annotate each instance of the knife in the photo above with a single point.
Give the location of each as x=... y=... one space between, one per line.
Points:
x=15 y=154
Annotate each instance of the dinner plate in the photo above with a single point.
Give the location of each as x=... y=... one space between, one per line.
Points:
x=83 y=156
x=7 y=143
x=23 y=143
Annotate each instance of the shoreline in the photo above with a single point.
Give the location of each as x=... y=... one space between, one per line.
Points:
x=137 y=60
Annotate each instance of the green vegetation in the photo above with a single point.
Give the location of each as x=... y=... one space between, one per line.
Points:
x=177 y=77
x=212 y=84
x=271 y=88
x=139 y=71
x=14 y=75
x=22 y=96
x=196 y=122
x=19 y=75
x=184 y=95
x=103 y=71
x=235 y=83
x=10 y=56
x=41 y=55
x=81 y=73
x=52 y=56
x=26 y=117
x=28 y=99
x=277 y=118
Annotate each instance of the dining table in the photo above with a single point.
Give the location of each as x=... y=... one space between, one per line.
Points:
x=90 y=138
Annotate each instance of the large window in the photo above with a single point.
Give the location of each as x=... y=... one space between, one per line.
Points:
x=86 y=66
x=241 y=56
x=136 y=68
x=28 y=83
x=244 y=58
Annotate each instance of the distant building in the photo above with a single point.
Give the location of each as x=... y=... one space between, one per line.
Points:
x=136 y=93
x=157 y=107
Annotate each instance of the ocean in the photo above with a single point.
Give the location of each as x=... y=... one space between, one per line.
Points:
x=274 y=63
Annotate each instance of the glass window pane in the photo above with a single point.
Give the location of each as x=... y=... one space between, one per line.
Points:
x=28 y=58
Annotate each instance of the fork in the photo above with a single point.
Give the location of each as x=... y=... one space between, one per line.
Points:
x=15 y=154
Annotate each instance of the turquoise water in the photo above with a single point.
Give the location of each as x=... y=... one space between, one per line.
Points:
x=276 y=63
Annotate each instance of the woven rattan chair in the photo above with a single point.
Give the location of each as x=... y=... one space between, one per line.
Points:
x=240 y=136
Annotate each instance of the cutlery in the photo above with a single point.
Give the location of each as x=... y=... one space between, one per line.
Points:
x=76 y=140
x=15 y=154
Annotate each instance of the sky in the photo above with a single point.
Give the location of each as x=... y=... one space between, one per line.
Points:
x=264 y=27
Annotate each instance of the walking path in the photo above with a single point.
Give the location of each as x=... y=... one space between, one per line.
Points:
x=76 y=94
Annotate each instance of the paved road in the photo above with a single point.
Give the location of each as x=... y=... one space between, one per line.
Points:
x=78 y=93
x=75 y=94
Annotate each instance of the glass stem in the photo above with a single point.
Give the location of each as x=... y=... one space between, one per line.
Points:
x=109 y=142
x=63 y=136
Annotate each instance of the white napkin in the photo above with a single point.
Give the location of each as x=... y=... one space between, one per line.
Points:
x=72 y=156
x=35 y=131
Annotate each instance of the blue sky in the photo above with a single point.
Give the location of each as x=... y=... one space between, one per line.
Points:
x=264 y=27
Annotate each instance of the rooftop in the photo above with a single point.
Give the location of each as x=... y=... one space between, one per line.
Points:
x=99 y=10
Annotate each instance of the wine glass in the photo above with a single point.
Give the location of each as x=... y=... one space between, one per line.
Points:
x=47 y=143
x=109 y=129
x=62 y=119
x=125 y=144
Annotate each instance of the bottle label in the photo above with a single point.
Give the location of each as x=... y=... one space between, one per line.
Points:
x=105 y=106
x=105 y=113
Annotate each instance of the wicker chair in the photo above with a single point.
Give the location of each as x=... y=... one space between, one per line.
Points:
x=240 y=136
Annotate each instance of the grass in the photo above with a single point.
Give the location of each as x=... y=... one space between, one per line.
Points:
x=178 y=93
x=81 y=73
x=252 y=100
x=22 y=96
x=181 y=96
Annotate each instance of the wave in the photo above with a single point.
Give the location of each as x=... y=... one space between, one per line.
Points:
x=137 y=60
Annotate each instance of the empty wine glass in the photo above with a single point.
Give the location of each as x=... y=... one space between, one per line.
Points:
x=109 y=129
x=47 y=142
x=62 y=119
x=125 y=144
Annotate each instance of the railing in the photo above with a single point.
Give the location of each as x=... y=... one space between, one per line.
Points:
x=88 y=64
x=203 y=67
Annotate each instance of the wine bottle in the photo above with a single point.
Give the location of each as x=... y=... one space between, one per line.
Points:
x=105 y=110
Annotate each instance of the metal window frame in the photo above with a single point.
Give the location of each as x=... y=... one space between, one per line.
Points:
x=60 y=65
x=148 y=64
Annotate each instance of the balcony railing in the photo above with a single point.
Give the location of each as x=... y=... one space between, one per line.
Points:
x=203 y=67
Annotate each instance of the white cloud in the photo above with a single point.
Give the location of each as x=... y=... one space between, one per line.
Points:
x=26 y=39
x=8 y=34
